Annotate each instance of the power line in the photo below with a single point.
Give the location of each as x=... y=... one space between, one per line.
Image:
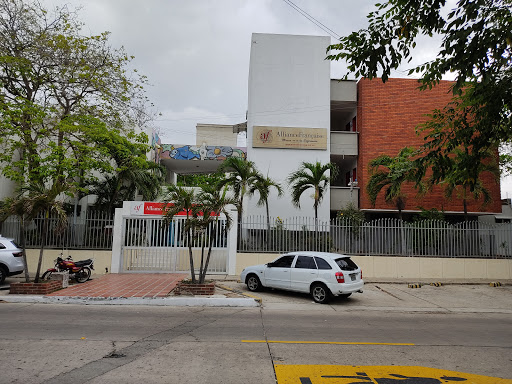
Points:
x=313 y=20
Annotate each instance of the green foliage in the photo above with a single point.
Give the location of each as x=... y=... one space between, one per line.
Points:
x=311 y=176
x=429 y=214
x=390 y=173
x=351 y=213
x=198 y=180
x=476 y=48
x=203 y=210
x=262 y=185
x=68 y=104
x=241 y=175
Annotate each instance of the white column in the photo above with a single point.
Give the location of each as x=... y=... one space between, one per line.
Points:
x=232 y=242
x=118 y=230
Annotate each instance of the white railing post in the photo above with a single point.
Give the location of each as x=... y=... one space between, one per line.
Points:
x=232 y=243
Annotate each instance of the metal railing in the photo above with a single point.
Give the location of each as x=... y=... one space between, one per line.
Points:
x=92 y=230
x=393 y=237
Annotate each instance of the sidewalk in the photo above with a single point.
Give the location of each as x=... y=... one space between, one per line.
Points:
x=156 y=289
x=133 y=289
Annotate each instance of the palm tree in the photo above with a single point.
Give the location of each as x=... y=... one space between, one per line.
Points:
x=464 y=176
x=213 y=202
x=262 y=185
x=242 y=174
x=312 y=175
x=180 y=199
x=202 y=215
x=112 y=190
x=36 y=199
x=390 y=173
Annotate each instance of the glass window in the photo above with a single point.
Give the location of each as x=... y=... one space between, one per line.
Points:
x=283 y=262
x=322 y=264
x=305 y=262
x=2 y=246
x=346 y=264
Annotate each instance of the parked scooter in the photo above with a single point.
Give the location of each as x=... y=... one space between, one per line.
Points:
x=80 y=271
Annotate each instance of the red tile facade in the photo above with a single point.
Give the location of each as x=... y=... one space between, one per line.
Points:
x=387 y=114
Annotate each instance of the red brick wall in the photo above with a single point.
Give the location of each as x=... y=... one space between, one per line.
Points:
x=387 y=114
x=35 y=288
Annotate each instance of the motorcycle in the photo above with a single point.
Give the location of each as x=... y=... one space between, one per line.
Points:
x=80 y=271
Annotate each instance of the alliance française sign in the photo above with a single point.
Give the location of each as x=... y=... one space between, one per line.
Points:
x=289 y=137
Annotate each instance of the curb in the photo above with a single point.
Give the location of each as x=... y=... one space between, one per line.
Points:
x=163 y=301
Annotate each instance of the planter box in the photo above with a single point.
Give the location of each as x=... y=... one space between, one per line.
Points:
x=43 y=288
x=206 y=289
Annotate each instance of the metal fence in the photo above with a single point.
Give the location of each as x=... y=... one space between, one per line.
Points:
x=151 y=245
x=379 y=237
x=93 y=230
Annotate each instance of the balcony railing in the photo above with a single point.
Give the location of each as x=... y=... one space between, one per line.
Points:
x=342 y=196
x=344 y=143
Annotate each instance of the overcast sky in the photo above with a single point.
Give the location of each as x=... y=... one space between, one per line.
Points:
x=196 y=52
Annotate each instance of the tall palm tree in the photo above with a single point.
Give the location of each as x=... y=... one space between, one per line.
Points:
x=312 y=176
x=390 y=173
x=262 y=185
x=242 y=174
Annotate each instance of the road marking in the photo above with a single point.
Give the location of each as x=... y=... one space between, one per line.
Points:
x=346 y=374
x=324 y=342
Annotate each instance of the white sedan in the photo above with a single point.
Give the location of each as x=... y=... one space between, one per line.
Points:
x=320 y=273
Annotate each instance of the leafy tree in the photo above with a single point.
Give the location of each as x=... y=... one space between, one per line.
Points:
x=262 y=185
x=476 y=48
x=463 y=177
x=65 y=98
x=312 y=176
x=390 y=173
x=202 y=214
x=241 y=175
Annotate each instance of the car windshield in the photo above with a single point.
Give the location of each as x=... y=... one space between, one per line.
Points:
x=15 y=244
x=346 y=264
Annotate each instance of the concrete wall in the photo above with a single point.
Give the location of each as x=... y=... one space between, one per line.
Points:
x=215 y=134
x=289 y=86
x=373 y=266
x=102 y=259
x=410 y=267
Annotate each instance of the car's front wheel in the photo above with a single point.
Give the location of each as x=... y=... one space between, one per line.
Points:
x=320 y=293
x=253 y=283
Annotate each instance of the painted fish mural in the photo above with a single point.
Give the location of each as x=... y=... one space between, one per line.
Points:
x=203 y=152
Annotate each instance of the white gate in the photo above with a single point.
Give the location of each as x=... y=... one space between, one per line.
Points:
x=150 y=245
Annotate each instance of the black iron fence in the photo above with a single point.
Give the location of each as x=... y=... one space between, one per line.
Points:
x=93 y=230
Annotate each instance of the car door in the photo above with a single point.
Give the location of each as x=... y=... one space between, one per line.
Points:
x=277 y=274
x=303 y=273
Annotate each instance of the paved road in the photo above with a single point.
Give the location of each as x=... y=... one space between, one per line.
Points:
x=42 y=343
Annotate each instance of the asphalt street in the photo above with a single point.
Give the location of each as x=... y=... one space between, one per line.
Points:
x=458 y=328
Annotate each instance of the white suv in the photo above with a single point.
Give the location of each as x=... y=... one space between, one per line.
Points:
x=320 y=273
x=11 y=260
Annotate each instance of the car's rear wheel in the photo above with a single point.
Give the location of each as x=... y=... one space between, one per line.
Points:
x=3 y=274
x=320 y=293
x=253 y=283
